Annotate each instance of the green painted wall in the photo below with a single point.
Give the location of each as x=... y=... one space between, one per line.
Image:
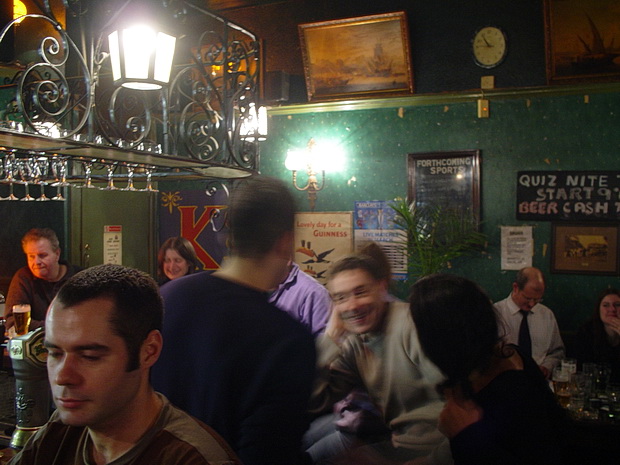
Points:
x=532 y=132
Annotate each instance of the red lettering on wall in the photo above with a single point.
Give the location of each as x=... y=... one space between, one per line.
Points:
x=192 y=227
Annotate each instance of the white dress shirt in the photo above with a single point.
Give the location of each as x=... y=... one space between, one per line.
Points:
x=547 y=345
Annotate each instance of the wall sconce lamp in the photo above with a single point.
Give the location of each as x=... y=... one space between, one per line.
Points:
x=19 y=10
x=141 y=57
x=315 y=158
x=254 y=125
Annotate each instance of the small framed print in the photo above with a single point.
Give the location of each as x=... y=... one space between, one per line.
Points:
x=584 y=248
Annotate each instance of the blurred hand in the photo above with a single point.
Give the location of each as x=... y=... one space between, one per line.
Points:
x=545 y=371
x=418 y=461
x=335 y=329
x=614 y=325
x=457 y=414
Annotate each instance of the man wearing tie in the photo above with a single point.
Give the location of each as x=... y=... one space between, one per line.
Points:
x=529 y=324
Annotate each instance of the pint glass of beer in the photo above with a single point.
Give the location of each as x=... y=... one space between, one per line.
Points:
x=21 y=313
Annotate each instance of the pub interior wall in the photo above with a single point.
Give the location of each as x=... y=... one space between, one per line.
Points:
x=576 y=132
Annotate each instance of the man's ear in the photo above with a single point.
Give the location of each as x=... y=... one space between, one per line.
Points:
x=151 y=349
x=284 y=245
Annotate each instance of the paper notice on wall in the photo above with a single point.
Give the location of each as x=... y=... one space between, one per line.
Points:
x=374 y=221
x=113 y=244
x=517 y=247
x=320 y=240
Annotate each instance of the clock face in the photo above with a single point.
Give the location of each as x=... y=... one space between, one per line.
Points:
x=489 y=47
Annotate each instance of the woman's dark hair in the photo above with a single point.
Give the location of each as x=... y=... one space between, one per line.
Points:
x=457 y=326
x=598 y=327
x=183 y=247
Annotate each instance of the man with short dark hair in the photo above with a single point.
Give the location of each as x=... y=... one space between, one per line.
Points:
x=371 y=344
x=529 y=324
x=37 y=283
x=232 y=359
x=103 y=336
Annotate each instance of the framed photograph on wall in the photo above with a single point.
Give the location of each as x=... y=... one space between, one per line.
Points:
x=581 y=40
x=584 y=248
x=446 y=179
x=357 y=57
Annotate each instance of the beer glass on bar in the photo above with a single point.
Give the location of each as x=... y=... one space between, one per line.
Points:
x=21 y=313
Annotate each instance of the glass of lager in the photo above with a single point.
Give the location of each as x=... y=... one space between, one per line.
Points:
x=21 y=313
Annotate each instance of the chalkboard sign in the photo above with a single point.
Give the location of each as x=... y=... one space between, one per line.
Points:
x=446 y=179
x=568 y=195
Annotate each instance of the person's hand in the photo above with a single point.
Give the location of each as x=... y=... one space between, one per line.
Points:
x=335 y=329
x=9 y=323
x=614 y=325
x=457 y=414
x=418 y=461
x=545 y=371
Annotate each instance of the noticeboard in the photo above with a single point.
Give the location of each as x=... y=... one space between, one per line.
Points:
x=568 y=195
x=446 y=179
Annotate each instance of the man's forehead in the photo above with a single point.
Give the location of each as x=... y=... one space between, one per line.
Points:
x=41 y=243
x=350 y=278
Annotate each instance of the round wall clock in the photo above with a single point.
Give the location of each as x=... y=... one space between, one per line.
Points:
x=489 y=47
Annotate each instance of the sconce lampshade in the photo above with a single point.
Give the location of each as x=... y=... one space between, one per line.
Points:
x=141 y=57
x=318 y=156
x=255 y=124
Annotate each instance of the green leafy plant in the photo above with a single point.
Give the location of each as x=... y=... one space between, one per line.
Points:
x=435 y=235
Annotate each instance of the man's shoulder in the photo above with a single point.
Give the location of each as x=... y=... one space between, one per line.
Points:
x=503 y=305
x=71 y=269
x=23 y=274
x=203 y=280
x=183 y=437
x=54 y=439
x=544 y=311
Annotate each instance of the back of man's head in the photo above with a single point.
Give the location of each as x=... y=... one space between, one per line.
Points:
x=138 y=306
x=261 y=211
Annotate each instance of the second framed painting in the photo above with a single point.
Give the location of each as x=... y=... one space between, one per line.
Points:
x=580 y=40
x=357 y=57
x=585 y=249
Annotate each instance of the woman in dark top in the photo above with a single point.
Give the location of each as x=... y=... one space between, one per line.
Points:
x=499 y=408
x=598 y=339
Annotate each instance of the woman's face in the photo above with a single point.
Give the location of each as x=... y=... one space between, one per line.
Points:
x=175 y=266
x=609 y=308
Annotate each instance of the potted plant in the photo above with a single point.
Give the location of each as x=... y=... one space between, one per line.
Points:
x=435 y=236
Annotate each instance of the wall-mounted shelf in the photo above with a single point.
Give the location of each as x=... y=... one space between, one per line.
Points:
x=177 y=167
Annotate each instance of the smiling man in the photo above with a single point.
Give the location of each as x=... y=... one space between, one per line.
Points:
x=37 y=283
x=371 y=344
x=103 y=336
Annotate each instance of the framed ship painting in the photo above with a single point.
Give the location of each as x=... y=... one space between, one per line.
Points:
x=582 y=41
x=357 y=57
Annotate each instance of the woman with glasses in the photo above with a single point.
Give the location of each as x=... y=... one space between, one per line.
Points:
x=598 y=339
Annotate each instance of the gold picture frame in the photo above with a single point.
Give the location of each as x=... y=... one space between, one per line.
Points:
x=584 y=248
x=579 y=39
x=357 y=57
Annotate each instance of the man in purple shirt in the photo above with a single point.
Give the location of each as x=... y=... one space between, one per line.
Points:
x=304 y=298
